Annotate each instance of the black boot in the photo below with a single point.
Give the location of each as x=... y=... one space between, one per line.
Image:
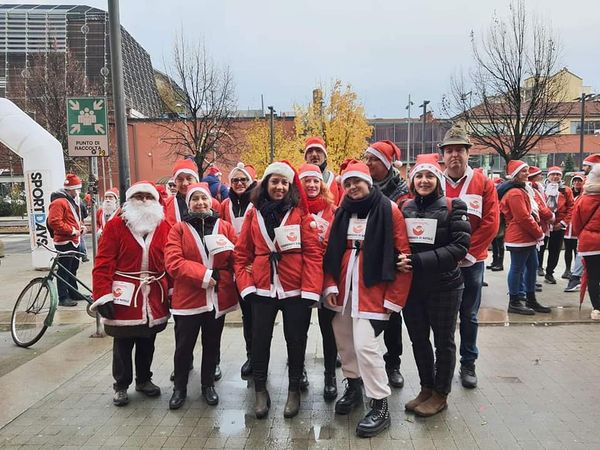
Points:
x=516 y=306
x=330 y=389
x=304 y=383
x=395 y=378
x=246 y=370
x=352 y=396
x=218 y=373
x=292 y=404
x=468 y=377
x=210 y=395
x=177 y=399
x=535 y=305
x=376 y=420
x=262 y=404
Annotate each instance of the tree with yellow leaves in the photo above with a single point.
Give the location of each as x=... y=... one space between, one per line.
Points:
x=257 y=146
x=339 y=119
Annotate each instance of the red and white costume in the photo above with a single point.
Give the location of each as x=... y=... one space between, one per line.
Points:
x=297 y=274
x=191 y=262
x=522 y=228
x=565 y=202
x=64 y=214
x=586 y=224
x=479 y=193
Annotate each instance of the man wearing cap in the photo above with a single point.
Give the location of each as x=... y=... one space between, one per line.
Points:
x=131 y=287
x=559 y=199
x=110 y=206
x=65 y=221
x=479 y=193
x=383 y=159
x=315 y=152
x=218 y=190
x=185 y=172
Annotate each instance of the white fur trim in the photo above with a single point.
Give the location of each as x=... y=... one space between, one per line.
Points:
x=331 y=290
x=142 y=187
x=101 y=301
x=280 y=168
x=387 y=304
x=249 y=290
x=518 y=169
x=240 y=169
x=373 y=151
x=206 y=279
x=426 y=166
x=554 y=171
x=311 y=173
x=192 y=311
x=357 y=174
x=188 y=171
x=319 y=146
x=310 y=296
x=470 y=258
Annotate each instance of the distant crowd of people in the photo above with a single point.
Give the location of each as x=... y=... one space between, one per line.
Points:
x=367 y=249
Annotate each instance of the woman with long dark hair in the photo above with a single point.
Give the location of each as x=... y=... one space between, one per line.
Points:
x=363 y=288
x=278 y=263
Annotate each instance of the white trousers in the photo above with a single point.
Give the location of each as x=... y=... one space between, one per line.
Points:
x=361 y=353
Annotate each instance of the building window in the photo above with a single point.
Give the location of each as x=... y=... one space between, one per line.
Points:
x=589 y=127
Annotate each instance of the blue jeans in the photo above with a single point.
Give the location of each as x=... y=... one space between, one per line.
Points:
x=523 y=266
x=469 y=307
x=578 y=266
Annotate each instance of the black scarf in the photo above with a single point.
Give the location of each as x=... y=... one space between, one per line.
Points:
x=203 y=223
x=240 y=202
x=272 y=212
x=379 y=262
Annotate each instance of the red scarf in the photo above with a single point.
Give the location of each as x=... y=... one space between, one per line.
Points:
x=316 y=204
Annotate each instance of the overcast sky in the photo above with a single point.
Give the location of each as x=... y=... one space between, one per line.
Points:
x=387 y=49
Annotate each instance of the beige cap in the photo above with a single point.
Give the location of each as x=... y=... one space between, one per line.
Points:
x=456 y=135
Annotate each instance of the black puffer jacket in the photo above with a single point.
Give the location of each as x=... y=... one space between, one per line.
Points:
x=435 y=266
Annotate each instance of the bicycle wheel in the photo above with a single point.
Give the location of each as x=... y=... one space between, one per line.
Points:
x=29 y=314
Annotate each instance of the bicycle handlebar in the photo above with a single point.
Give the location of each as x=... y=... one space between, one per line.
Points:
x=59 y=253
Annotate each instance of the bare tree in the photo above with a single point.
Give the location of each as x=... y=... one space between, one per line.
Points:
x=514 y=96
x=52 y=77
x=202 y=103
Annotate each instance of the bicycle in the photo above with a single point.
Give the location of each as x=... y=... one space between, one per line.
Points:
x=38 y=301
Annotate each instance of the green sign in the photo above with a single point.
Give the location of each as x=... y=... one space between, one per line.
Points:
x=87 y=126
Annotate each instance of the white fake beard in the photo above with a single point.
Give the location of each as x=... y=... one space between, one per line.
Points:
x=142 y=217
x=109 y=207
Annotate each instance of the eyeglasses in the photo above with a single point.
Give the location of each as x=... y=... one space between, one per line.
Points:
x=171 y=184
x=239 y=180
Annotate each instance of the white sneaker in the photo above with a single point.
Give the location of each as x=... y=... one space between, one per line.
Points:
x=595 y=315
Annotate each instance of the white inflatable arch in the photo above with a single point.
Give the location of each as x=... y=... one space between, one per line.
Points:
x=43 y=170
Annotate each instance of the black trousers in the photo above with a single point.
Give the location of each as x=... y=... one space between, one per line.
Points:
x=246 y=308
x=570 y=252
x=554 y=246
x=187 y=329
x=392 y=336
x=329 y=346
x=498 y=251
x=296 y=319
x=122 y=366
x=592 y=267
x=67 y=272
x=437 y=312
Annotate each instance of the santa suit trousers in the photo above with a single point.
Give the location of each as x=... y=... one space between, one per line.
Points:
x=361 y=353
x=392 y=336
x=329 y=346
x=435 y=311
x=122 y=366
x=187 y=329
x=296 y=319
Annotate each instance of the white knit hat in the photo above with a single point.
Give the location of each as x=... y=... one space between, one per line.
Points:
x=280 y=168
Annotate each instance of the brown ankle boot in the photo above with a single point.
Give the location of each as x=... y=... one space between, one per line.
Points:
x=432 y=406
x=423 y=395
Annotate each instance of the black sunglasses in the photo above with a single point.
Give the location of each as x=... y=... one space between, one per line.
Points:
x=239 y=180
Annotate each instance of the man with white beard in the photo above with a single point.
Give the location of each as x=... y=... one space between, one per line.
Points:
x=110 y=206
x=131 y=287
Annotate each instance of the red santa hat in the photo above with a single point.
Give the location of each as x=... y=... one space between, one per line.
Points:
x=197 y=187
x=387 y=152
x=112 y=191
x=514 y=167
x=186 y=166
x=246 y=169
x=357 y=169
x=427 y=161
x=534 y=171
x=315 y=141
x=555 y=169
x=310 y=170
x=214 y=171
x=142 y=186
x=72 y=182
x=591 y=160
x=577 y=176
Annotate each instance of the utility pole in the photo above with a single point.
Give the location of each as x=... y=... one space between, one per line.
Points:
x=424 y=106
x=408 y=137
x=582 y=99
x=116 y=61
x=272 y=134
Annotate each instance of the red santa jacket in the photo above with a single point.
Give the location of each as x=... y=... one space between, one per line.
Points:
x=377 y=301
x=322 y=221
x=191 y=264
x=173 y=214
x=130 y=272
x=479 y=193
x=64 y=221
x=586 y=224
x=565 y=208
x=227 y=215
x=298 y=273
x=545 y=216
x=522 y=228
x=102 y=220
x=334 y=186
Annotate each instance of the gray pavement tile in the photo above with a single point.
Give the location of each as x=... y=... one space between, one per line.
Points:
x=175 y=442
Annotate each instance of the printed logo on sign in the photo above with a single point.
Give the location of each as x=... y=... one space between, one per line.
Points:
x=117 y=292
x=221 y=241
x=418 y=230
x=37 y=207
x=358 y=229
x=474 y=204
x=292 y=236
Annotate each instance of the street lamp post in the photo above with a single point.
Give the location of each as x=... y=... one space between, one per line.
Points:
x=272 y=134
x=424 y=106
x=408 y=137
